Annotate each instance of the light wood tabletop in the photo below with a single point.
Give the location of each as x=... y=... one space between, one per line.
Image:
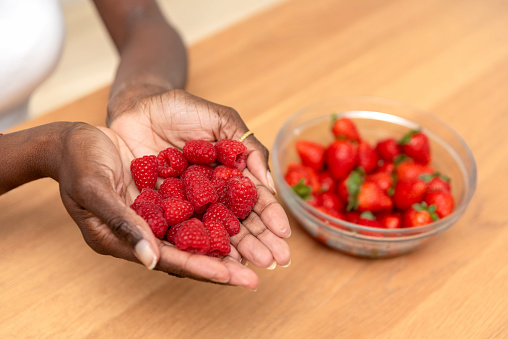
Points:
x=446 y=57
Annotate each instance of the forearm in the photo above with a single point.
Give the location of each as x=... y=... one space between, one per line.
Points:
x=153 y=58
x=31 y=154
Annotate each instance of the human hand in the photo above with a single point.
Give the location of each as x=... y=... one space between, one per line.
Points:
x=149 y=124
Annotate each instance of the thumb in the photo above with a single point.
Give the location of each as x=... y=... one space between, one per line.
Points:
x=257 y=161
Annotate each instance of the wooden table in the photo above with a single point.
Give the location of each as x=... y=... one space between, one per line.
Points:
x=447 y=57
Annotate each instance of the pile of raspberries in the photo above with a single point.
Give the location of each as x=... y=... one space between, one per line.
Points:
x=204 y=194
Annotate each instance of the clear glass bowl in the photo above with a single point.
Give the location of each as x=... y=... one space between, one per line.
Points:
x=376 y=119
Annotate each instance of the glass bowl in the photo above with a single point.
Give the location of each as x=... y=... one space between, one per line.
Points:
x=376 y=118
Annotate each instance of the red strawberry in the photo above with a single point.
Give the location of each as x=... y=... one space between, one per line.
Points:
x=147 y=194
x=345 y=128
x=199 y=152
x=172 y=163
x=311 y=153
x=297 y=173
x=144 y=171
x=199 y=191
x=341 y=157
x=382 y=180
x=172 y=188
x=232 y=153
x=331 y=201
x=372 y=198
x=353 y=217
x=221 y=213
x=419 y=215
x=154 y=217
x=437 y=182
x=220 y=187
x=326 y=181
x=386 y=167
x=388 y=149
x=408 y=192
x=333 y=213
x=225 y=173
x=390 y=220
x=367 y=157
x=349 y=188
x=410 y=170
x=219 y=239
x=176 y=210
x=241 y=196
x=415 y=145
x=191 y=236
x=368 y=219
x=443 y=200
x=204 y=170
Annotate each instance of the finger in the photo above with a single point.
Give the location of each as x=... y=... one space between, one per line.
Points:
x=257 y=162
x=251 y=248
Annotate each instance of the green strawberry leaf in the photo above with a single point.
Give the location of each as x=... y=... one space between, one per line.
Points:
x=406 y=139
x=427 y=177
x=303 y=191
x=335 y=117
x=353 y=183
x=391 y=191
x=443 y=177
x=367 y=215
x=400 y=159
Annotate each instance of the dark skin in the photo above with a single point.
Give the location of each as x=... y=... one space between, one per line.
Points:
x=148 y=111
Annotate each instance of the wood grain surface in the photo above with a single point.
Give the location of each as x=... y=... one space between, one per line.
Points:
x=447 y=57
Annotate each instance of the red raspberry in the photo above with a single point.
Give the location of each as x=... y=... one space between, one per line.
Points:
x=147 y=194
x=232 y=153
x=172 y=188
x=221 y=189
x=154 y=217
x=241 y=196
x=199 y=152
x=192 y=237
x=204 y=170
x=170 y=235
x=222 y=214
x=225 y=173
x=144 y=171
x=176 y=210
x=172 y=163
x=199 y=191
x=219 y=239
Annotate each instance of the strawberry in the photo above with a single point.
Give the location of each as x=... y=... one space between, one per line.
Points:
x=231 y=153
x=408 y=192
x=331 y=201
x=199 y=191
x=191 y=236
x=172 y=188
x=147 y=194
x=296 y=173
x=222 y=214
x=204 y=170
x=154 y=217
x=311 y=154
x=341 y=157
x=368 y=219
x=199 y=152
x=419 y=215
x=172 y=163
x=442 y=199
x=332 y=213
x=353 y=216
x=144 y=171
x=436 y=182
x=176 y=210
x=372 y=198
x=241 y=196
x=345 y=128
x=415 y=144
x=388 y=149
x=219 y=239
x=386 y=167
x=367 y=157
x=225 y=173
x=326 y=181
x=382 y=180
x=411 y=170
x=390 y=220
x=349 y=188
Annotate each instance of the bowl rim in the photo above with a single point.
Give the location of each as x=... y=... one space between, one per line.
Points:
x=470 y=179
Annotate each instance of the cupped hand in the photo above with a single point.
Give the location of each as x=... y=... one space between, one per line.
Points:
x=149 y=124
x=96 y=188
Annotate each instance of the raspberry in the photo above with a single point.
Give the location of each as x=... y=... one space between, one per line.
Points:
x=231 y=153
x=199 y=152
x=154 y=217
x=241 y=196
x=147 y=194
x=172 y=163
x=176 y=210
x=144 y=171
x=172 y=188
x=225 y=173
x=204 y=170
x=199 y=191
x=170 y=235
x=220 y=187
x=222 y=214
x=219 y=239
x=192 y=237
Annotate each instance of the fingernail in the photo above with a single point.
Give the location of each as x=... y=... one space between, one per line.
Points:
x=289 y=234
x=145 y=254
x=272 y=266
x=270 y=181
x=287 y=265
